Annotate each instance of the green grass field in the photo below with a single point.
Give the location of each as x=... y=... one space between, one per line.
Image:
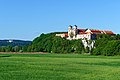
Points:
x=58 y=67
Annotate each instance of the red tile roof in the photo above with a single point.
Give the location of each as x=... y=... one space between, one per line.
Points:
x=109 y=32
x=96 y=31
x=93 y=31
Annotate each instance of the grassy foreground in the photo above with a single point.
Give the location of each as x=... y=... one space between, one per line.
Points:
x=58 y=67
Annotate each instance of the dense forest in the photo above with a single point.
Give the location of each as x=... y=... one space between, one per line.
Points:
x=107 y=45
x=52 y=44
x=104 y=45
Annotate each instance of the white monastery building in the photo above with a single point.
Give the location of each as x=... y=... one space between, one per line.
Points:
x=89 y=34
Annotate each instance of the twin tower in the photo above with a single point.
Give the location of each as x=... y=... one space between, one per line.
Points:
x=72 y=32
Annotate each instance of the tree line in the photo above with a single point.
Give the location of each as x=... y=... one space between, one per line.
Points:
x=104 y=45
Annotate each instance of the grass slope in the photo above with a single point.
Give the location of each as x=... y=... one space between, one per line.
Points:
x=58 y=67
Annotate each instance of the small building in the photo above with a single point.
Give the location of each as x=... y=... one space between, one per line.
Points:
x=62 y=35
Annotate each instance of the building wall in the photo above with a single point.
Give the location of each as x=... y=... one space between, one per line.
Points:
x=60 y=35
x=84 y=36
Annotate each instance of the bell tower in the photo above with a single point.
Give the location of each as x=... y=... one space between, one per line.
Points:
x=69 y=32
x=75 y=32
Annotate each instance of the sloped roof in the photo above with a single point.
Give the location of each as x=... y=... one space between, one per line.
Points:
x=109 y=32
x=102 y=32
x=93 y=31
x=96 y=31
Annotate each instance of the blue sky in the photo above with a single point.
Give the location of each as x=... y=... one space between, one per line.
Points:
x=27 y=19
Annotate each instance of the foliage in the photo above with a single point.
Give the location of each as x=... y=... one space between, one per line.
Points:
x=51 y=43
x=112 y=48
x=107 y=45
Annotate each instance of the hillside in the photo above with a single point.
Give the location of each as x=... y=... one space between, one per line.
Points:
x=14 y=43
x=53 y=44
x=104 y=45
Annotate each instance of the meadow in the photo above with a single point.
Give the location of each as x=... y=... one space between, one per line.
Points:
x=59 y=67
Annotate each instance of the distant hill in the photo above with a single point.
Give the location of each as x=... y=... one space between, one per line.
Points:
x=14 y=42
